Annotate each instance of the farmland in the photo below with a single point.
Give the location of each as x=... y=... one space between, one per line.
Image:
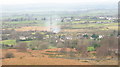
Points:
x=63 y=38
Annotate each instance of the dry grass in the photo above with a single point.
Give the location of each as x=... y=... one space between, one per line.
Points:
x=35 y=57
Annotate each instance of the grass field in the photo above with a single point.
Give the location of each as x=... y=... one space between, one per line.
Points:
x=111 y=25
x=13 y=42
x=8 y=42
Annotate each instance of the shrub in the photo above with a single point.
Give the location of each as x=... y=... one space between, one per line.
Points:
x=96 y=45
x=9 y=55
x=38 y=45
x=90 y=49
x=85 y=35
x=33 y=48
x=95 y=36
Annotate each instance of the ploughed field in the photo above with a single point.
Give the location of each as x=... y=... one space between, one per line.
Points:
x=40 y=57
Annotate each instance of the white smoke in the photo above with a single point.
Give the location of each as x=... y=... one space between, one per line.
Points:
x=56 y=29
x=53 y=24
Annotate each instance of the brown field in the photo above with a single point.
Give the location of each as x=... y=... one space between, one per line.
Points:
x=38 y=28
x=35 y=57
x=33 y=28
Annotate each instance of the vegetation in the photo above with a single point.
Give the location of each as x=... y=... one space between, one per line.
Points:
x=9 y=42
x=82 y=36
x=22 y=47
x=9 y=55
x=90 y=49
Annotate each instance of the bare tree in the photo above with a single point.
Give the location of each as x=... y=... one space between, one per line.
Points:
x=60 y=45
x=22 y=47
x=82 y=47
x=102 y=51
x=39 y=45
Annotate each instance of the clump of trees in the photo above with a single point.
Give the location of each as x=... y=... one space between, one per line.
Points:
x=22 y=47
x=60 y=45
x=82 y=47
x=95 y=36
x=39 y=36
x=38 y=45
x=107 y=47
x=102 y=51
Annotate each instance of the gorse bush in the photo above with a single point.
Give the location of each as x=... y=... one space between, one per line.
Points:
x=9 y=55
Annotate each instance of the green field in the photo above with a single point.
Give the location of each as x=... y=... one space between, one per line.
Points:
x=8 y=42
x=13 y=42
x=94 y=25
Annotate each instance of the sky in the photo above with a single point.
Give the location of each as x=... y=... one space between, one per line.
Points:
x=20 y=2
x=17 y=5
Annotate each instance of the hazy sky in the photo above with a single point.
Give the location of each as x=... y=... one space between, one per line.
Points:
x=17 y=5
x=19 y=2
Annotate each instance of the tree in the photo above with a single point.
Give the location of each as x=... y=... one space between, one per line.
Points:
x=95 y=45
x=82 y=47
x=43 y=45
x=74 y=43
x=60 y=45
x=39 y=45
x=95 y=36
x=107 y=45
x=102 y=51
x=68 y=43
x=86 y=36
x=83 y=50
x=22 y=47
x=38 y=36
